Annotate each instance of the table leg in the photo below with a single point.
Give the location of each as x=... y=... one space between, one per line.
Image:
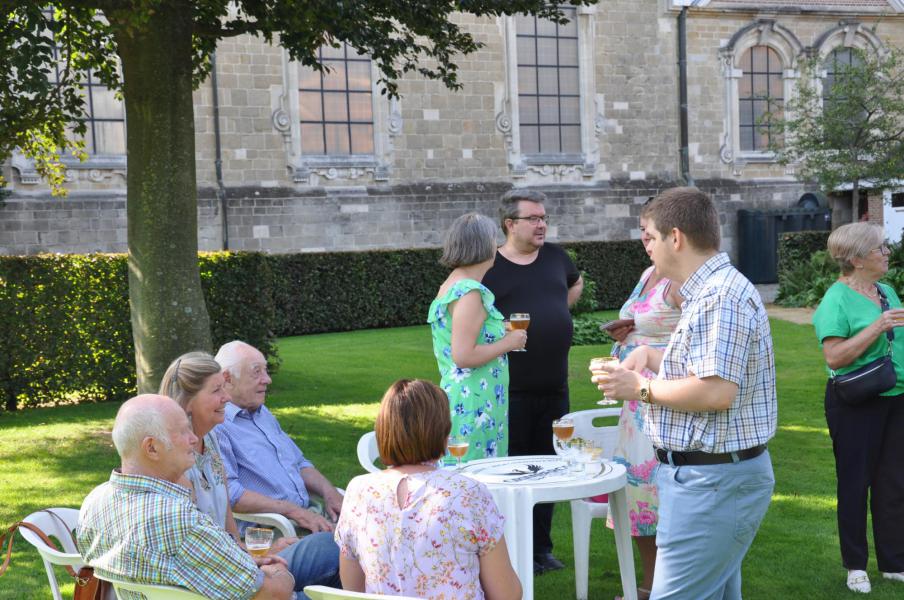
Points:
x=518 y=510
x=618 y=506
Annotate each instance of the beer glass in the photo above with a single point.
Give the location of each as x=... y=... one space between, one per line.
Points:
x=596 y=368
x=258 y=540
x=519 y=321
x=458 y=447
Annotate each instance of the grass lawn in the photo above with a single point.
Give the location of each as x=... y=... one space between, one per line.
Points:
x=326 y=395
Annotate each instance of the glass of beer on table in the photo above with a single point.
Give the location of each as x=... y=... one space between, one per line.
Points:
x=564 y=430
x=258 y=540
x=596 y=365
x=519 y=321
x=458 y=447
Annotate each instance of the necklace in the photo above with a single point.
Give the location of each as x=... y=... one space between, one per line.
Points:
x=869 y=291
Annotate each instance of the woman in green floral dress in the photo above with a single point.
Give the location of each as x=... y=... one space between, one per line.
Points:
x=470 y=341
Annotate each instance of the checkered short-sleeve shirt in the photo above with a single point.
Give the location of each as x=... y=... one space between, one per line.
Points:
x=723 y=332
x=147 y=530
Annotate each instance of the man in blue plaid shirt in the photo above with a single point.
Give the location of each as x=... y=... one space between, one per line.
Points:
x=710 y=411
x=141 y=526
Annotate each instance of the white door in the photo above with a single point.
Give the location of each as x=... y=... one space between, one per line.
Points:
x=893 y=214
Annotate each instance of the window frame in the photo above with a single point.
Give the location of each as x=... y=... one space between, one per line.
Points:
x=553 y=166
x=762 y=32
x=313 y=169
x=97 y=167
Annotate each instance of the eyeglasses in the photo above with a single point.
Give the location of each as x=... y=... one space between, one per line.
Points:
x=883 y=249
x=533 y=220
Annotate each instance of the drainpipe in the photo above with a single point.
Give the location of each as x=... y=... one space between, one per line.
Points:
x=218 y=159
x=682 y=95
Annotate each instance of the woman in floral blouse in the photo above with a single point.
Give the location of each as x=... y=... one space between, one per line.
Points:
x=470 y=341
x=415 y=529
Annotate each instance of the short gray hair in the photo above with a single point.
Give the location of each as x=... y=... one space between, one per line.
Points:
x=470 y=240
x=229 y=356
x=508 y=204
x=133 y=424
x=854 y=240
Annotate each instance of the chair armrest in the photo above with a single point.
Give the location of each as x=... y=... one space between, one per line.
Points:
x=284 y=525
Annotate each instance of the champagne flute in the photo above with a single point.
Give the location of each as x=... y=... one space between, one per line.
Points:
x=596 y=365
x=458 y=447
x=258 y=540
x=519 y=321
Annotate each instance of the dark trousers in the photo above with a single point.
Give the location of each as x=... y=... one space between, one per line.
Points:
x=868 y=442
x=530 y=432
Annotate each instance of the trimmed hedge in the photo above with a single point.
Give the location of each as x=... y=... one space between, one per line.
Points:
x=65 y=333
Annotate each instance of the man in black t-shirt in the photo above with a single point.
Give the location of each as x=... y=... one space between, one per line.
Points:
x=530 y=276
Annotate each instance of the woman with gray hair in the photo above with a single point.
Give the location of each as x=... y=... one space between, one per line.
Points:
x=470 y=341
x=853 y=323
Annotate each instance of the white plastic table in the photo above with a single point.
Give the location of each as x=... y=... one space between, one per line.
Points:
x=519 y=482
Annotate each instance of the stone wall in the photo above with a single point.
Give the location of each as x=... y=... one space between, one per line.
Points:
x=404 y=216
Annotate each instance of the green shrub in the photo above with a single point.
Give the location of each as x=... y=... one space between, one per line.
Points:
x=587 y=331
x=587 y=301
x=614 y=266
x=65 y=330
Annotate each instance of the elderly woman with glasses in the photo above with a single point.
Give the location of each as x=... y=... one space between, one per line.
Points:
x=195 y=380
x=867 y=437
x=470 y=341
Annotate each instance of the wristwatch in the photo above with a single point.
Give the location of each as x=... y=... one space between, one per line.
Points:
x=645 y=391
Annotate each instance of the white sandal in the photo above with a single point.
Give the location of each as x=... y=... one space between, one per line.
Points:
x=894 y=576
x=858 y=581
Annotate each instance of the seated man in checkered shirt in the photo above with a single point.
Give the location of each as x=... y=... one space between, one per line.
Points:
x=711 y=409
x=141 y=526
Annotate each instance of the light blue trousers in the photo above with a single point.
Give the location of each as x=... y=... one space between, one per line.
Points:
x=708 y=517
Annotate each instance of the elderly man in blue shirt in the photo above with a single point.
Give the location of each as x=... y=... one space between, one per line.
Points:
x=266 y=470
x=711 y=410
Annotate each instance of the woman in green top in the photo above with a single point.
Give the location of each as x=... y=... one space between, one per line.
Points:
x=867 y=439
x=470 y=340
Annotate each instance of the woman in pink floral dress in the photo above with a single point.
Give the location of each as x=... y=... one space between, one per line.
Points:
x=415 y=529
x=654 y=305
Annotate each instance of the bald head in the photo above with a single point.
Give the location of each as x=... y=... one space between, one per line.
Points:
x=141 y=417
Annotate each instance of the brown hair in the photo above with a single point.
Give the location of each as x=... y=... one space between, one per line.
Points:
x=690 y=211
x=413 y=423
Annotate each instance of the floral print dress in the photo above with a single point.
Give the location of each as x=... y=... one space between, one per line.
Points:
x=478 y=397
x=654 y=321
x=429 y=547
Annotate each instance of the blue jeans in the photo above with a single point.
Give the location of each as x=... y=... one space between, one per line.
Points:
x=708 y=517
x=313 y=560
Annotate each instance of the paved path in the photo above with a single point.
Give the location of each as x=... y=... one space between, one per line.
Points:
x=801 y=316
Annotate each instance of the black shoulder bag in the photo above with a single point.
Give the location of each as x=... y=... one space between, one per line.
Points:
x=863 y=384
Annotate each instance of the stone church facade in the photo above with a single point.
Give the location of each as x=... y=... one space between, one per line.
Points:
x=588 y=112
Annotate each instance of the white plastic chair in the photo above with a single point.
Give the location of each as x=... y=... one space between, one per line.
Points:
x=367 y=452
x=584 y=511
x=321 y=592
x=275 y=520
x=53 y=528
x=151 y=591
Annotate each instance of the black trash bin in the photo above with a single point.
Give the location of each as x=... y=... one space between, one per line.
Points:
x=759 y=232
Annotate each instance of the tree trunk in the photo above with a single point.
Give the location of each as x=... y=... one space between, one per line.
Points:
x=169 y=316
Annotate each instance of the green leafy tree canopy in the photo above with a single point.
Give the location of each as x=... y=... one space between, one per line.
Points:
x=849 y=131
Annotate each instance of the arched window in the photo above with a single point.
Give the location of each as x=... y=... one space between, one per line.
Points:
x=760 y=92
x=759 y=67
x=835 y=65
